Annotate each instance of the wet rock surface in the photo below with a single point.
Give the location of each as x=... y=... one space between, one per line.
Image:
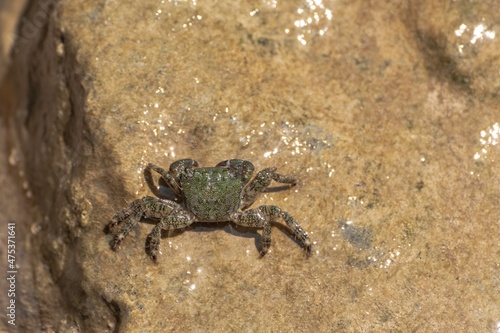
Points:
x=387 y=113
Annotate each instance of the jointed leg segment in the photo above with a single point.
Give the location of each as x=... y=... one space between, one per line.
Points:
x=166 y=223
x=165 y=175
x=259 y=184
x=171 y=215
x=262 y=216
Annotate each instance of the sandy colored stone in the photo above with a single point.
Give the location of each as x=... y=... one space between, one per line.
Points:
x=10 y=13
x=385 y=113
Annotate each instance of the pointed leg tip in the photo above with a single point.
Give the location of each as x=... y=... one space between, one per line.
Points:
x=308 y=249
x=115 y=243
x=110 y=227
x=152 y=253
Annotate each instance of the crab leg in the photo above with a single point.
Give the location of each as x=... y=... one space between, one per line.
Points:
x=259 y=184
x=262 y=216
x=166 y=176
x=179 y=220
x=147 y=207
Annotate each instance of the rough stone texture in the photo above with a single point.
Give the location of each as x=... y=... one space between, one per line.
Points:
x=386 y=112
x=10 y=12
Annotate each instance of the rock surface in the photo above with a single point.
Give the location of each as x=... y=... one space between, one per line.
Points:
x=10 y=12
x=386 y=112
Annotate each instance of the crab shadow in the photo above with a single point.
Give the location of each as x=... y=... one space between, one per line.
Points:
x=228 y=226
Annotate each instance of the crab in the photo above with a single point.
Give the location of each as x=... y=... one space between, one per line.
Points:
x=210 y=194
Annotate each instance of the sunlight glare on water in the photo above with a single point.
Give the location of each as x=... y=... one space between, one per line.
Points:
x=153 y=120
x=468 y=36
x=191 y=282
x=488 y=138
x=164 y=11
x=295 y=140
x=285 y=137
x=310 y=18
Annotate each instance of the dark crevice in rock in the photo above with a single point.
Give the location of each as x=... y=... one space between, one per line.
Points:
x=47 y=120
x=116 y=310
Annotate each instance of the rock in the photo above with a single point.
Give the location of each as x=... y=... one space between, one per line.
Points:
x=358 y=101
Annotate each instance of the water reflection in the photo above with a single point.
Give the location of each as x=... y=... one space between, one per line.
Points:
x=311 y=18
x=488 y=138
x=190 y=281
x=470 y=36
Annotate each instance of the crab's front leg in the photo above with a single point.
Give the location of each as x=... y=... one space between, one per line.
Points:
x=259 y=184
x=166 y=179
x=169 y=178
x=262 y=216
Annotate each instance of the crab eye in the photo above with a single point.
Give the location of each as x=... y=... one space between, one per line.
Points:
x=239 y=168
x=185 y=174
x=224 y=164
x=178 y=167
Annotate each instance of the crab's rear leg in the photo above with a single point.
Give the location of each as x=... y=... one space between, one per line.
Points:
x=178 y=220
x=147 y=207
x=262 y=216
x=126 y=219
x=259 y=184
